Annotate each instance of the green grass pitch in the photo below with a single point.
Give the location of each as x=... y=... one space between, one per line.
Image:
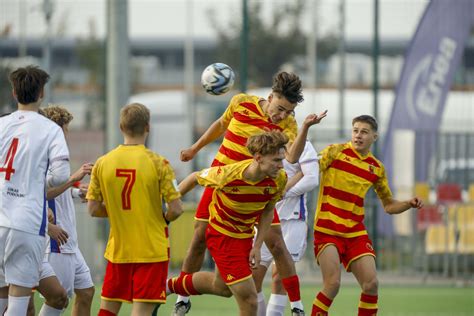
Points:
x=393 y=301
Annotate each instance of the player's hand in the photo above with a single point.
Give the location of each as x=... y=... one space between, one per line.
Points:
x=58 y=234
x=83 y=191
x=50 y=216
x=254 y=258
x=416 y=203
x=187 y=154
x=80 y=173
x=313 y=119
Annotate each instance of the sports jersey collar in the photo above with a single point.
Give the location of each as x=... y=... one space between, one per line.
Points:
x=361 y=157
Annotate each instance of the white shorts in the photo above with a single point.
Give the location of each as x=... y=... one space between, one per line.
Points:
x=21 y=255
x=46 y=270
x=295 y=233
x=72 y=271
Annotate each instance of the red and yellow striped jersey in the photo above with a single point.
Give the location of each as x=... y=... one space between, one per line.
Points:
x=133 y=182
x=346 y=176
x=237 y=203
x=244 y=117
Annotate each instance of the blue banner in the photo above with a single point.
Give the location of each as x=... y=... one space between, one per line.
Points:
x=431 y=60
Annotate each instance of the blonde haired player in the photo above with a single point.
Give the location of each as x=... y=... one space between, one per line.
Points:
x=244 y=192
x=66 y=259
x=128 y=185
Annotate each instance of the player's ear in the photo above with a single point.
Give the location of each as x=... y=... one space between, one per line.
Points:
x=147 y=128
x=270 y=97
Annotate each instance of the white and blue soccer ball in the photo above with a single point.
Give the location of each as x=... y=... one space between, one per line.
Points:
x=217 y=78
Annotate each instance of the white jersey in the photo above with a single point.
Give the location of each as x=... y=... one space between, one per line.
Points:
x=28 y=143
x=293 y=205
x=65 y=217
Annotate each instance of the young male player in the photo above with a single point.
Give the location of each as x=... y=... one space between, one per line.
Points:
x=129 y=186
x=347 y=172
x=245 y=116
x=243 y=192
x=29 y=143
x=66 y=259
x=292 y=210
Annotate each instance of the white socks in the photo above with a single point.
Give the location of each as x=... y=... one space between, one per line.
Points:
x=262 y=308
x=17 y=305
x=182 y=298
x=3 y=305
x=49 y=311
x=276 y=305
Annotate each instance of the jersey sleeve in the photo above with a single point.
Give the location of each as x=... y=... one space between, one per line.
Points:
x=94 y=192
x=231 y=108
x=382 y=188
x=281 y=183
x=291 y=129
x=58 y=149
x=327 y=155
x=168 y=184
x=213 y=177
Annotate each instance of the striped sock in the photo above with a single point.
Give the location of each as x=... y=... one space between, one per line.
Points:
x=368 y=305
x=183 y=285
x=321 y=305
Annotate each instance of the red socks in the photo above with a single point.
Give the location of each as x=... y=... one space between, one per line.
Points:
x=321 y=305
x=183 y=285
x=292 y=287
x=368 y=305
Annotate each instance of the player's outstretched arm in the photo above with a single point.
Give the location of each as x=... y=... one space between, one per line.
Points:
x=188 y=183
x=295 y=150
x=175 y=209
x=396 y=207
x=80 y=173
x=96 y=208
x=211 y=134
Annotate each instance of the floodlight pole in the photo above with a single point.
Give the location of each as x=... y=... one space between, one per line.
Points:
x=375 y=91
x=117 y=68
x=244 y=38
x=342 y=65
x=48 y=7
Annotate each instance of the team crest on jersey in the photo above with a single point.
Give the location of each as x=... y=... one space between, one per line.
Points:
x=371 y=169
x=219 y=170
x=230 y=277
x=266 y=191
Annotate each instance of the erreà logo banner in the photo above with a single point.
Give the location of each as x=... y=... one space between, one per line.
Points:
x=431 y=61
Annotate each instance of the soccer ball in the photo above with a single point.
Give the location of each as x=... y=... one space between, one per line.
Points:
x=217 y=78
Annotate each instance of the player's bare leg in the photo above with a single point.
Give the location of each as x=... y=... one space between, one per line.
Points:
x=83 y=301
x=55 y=296
x=196 y=251
x=258 y=275
x=141 y=308
x=286 y=267
x=245 y=294
x=330 y=265
x=365 y=272
x=109 y=308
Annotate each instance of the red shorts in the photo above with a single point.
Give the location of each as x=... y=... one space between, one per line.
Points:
x=129 y=282
x=202 y=212
x=349 y=249
x=230 y=254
